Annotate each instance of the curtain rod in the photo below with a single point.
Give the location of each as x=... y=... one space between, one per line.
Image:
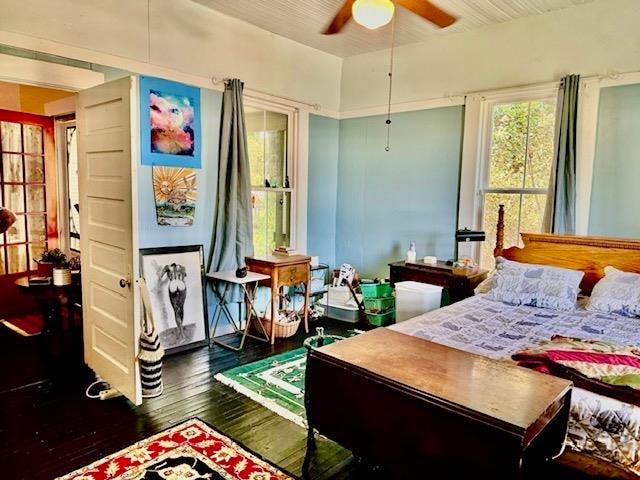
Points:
x=315 y=106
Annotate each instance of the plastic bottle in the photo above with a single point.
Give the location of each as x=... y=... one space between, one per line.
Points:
x=411 y=253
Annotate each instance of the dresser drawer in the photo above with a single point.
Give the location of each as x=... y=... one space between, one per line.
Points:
x=293 y=274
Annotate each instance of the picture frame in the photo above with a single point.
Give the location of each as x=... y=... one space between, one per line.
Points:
x=170 y=132
x=175 y=278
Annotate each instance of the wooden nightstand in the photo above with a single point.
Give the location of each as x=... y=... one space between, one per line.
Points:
x=457 y=287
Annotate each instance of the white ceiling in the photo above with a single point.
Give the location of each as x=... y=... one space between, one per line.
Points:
x=304 y=20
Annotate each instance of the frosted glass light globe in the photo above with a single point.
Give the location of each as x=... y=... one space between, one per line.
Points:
x=372 y=13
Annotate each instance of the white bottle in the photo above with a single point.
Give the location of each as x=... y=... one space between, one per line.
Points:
x=411 y=253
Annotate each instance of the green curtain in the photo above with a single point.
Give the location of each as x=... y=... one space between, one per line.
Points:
x=232 y=237
x=560 y=211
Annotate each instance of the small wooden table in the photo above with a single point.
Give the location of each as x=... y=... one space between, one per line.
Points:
x=416 y=406
x=284 y=270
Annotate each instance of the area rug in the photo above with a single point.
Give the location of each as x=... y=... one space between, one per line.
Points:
x=27 y=325
x=190 y=450
x=277 y=382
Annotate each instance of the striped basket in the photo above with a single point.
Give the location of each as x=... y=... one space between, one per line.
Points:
x=150 y=356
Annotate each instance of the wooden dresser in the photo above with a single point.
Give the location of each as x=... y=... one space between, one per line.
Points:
x=420 y=408
x=283 y=270
x=457 y=287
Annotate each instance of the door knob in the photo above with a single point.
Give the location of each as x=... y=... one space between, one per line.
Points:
x=124 y=283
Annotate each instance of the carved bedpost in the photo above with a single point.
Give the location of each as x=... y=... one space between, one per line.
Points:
x=499 y=232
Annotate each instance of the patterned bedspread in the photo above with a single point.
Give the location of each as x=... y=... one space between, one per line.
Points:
x=599 y=425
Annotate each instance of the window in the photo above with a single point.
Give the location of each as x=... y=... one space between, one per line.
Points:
x=270 y=144
x=69 y=193
x=23 y=189
x=517 y=165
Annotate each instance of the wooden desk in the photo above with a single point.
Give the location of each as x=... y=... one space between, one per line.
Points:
x=284 y=270
x=415 y=406
x=457 y=287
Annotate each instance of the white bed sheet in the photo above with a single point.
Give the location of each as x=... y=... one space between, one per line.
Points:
x=598 y=425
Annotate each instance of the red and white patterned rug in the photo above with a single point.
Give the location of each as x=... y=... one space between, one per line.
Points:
x=189 y=451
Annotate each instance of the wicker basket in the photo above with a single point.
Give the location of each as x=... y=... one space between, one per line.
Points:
x=283 y=329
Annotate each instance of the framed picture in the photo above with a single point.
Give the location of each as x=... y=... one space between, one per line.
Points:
x=175 y=278
x=169 y=123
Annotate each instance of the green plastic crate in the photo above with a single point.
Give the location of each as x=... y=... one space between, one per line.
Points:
x=371 y=290
x=381 y=319
x=379 y=304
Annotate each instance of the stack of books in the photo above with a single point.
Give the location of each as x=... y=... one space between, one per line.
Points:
x=284 y=251
x=38 y=280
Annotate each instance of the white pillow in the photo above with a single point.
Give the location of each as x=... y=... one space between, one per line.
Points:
x=616 y=292
x=535 y=285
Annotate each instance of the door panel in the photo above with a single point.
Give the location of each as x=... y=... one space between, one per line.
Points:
x=111 y=328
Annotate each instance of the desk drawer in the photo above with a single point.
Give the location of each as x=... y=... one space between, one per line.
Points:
x=293 y=274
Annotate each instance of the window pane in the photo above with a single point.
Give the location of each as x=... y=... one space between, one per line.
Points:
x=12 y=167
x=35 y=250
x=275 y=156
x=16 y=232
x=255 y=147
x=508 y=145
x=532 y=212
x=267 y=146
x=35 y=198
x=271 y=214
x=17 y=256
x=35 y=168
x=32 y=139
x=37 y=228
x=14 y=198
x=540 y=146
x=74 y=191
x=10 y=137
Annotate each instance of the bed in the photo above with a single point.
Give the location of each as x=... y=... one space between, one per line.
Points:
x=604 y=427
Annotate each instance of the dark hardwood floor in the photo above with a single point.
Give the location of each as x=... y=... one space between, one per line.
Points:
x=49 y=427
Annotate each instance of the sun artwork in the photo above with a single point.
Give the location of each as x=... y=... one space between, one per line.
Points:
x=175 y=192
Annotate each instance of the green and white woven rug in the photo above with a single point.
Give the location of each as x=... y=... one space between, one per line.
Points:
x=277 y=382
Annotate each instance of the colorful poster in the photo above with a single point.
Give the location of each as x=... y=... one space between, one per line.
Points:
x=175 y=191
x=170 y=123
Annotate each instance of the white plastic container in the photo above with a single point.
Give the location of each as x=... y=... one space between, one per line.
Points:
x=415 y=298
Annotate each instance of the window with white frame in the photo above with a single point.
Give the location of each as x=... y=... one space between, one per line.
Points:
x=517 y=155
x=271 y=138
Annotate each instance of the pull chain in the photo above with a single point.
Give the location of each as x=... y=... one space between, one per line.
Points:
x=388 y=121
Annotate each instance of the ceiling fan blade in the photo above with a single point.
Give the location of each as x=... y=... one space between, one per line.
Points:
x=341 y=18
x=428 y=11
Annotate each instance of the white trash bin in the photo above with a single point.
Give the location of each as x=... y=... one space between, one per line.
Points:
x=415 y=298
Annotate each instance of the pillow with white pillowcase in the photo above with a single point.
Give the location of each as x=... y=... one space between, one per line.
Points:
x=616 y=292
x=534 y=285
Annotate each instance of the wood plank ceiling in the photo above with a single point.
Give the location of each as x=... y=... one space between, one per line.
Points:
x=303 y=20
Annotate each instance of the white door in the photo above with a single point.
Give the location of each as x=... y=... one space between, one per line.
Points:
x=105 y=146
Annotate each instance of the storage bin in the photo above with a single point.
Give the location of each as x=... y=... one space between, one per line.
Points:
x=370 y=290
x=381 y=319
x=379 y=304
x=338 y=311
x=415 y=298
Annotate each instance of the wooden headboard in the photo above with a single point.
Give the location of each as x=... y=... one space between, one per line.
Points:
x=587 y=253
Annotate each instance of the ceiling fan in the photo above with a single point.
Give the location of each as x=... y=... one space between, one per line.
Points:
x=376 y=13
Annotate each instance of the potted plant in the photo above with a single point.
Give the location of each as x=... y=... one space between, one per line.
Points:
x=49 y=259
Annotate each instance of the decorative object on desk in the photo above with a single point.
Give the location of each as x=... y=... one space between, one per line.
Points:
x=191 y=449
x=411 y=253
x=75 y=264
x=50 y=259
x=241 y=272
x=169 y=123
x=26 y=325
x=175 y=191
x=430 y=260
x=175 y=278
x=464 y=266
x=39 y=280
x=61 y=276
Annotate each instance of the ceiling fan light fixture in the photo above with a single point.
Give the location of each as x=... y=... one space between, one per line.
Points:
x=372 y=14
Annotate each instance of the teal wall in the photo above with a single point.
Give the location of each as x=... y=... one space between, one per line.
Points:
x=323 y=185
x=387 y=199
x=616 y=171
